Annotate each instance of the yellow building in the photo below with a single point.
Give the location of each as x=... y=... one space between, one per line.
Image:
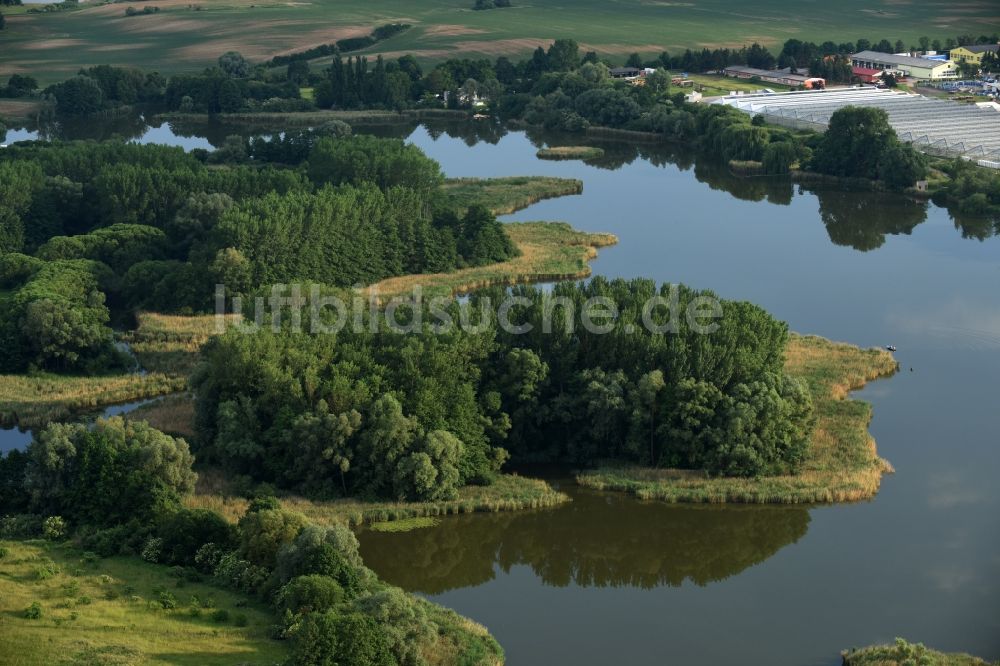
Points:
x=972 y=54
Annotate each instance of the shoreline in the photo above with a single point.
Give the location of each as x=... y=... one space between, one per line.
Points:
x=510 y=492
x=549 y=252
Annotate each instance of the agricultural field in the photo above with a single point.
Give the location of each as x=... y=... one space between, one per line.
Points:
x=186 y=36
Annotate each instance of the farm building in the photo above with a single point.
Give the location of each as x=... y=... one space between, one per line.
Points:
x=625 y=72
x=973 y=54
x=780 y=76
x=918 y=68
x=931 y=125
x=866 y=75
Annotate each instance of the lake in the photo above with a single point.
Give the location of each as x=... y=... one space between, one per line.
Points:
x=608 y=579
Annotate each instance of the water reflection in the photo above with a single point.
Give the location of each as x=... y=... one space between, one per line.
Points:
x=862 y=220
x=598 y=540
x=978 y=227
x=15 y=438
x=12 y=439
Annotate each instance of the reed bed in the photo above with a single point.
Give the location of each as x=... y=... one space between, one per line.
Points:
x=510 y=492
x=842 y=464
x=549 y=252
x=903 y=652
x=32 y=401
x=170 y=343
x=172 y=414
x=570 y=153
x=504 y=196
x=166 y=346
x=405 y=524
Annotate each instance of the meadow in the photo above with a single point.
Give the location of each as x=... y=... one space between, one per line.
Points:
x=60 y=606
x=842 y=464
x=185 y=36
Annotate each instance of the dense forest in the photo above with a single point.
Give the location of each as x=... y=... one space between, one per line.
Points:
x=374 y=413
x=90 y=231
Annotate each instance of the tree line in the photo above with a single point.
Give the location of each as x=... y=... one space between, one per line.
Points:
x=235 y=84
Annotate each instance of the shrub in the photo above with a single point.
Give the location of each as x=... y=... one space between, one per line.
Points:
x=240 y=574
x=262 y=533
x=47 y=569
x=241 y=620
x=208 y=556
x=151 y=549
x=117 y=540
x=20 y=526
x=165 y=599
x=313 y=593
x=185 y=531
x=54 y=528
x=326 y=639
x=221 y=615
x=34 y=611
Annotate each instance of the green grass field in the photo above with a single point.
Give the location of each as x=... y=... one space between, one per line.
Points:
x=111 y=612
x=186 y=36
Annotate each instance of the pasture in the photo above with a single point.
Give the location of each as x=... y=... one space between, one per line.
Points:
x=187 y=36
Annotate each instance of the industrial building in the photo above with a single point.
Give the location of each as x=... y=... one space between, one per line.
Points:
x=783 y=77
x=973 y=54
x=934 y=126
x=918 y=68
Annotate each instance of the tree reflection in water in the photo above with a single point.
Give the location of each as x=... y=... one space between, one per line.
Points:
x=597 y=540
x=863 y=219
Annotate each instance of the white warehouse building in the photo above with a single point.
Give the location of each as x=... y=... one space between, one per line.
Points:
x=918 y=68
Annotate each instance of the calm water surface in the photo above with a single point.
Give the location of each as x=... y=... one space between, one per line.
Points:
x=607 y=579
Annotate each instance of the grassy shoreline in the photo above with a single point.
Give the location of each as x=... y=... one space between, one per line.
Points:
x=549 y=252
x=510 y=492
x=842 y=464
